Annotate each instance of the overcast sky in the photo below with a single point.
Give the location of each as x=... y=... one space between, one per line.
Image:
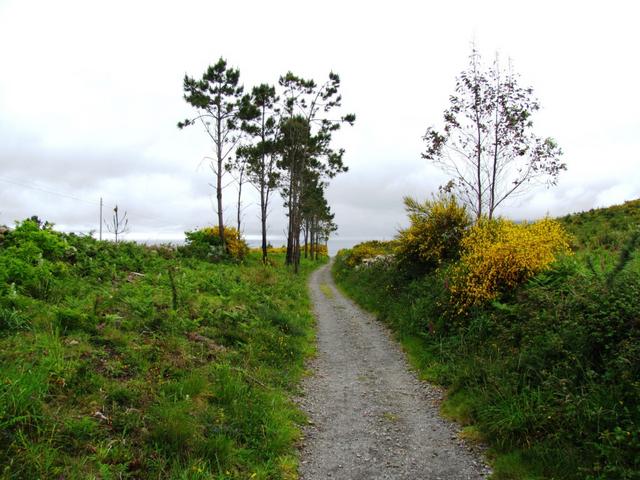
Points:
x=90 y=93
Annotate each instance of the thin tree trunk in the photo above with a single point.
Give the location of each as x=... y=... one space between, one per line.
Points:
x=296 y=237
x=296 y=223
x=296 y=250
x=496 y=133
x=310 y=235
x=263 y=221
x=289 y=257
x=219 y=180
x=239 y=219
x=306 y=239
x=478 y=140
x=264 y=196
x=478 y=169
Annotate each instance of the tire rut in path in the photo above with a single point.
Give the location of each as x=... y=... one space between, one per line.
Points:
x=371 y=418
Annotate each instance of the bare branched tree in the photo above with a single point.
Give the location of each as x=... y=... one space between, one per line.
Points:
x=118 y=224
x=487 y=144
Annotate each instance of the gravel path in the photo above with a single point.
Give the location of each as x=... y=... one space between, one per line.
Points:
x=370 y=417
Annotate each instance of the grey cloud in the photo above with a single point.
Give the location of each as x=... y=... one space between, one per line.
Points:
x=102 y=122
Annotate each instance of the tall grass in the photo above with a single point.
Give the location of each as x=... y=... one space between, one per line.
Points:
x=137 y=362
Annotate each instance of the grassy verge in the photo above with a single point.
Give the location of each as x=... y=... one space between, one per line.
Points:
x=122 y=361
x=548 y=375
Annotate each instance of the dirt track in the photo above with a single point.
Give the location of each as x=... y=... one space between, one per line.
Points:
x=371 y=418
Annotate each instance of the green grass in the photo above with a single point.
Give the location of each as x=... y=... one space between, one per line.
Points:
x=548 y=375
x=604 y=228
x=108 y=374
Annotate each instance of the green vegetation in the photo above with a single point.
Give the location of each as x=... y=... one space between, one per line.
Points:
x=434 y=236
x=206 y=244
x=547 y=371
x=605 y=228
x=125 y=361
x=367 y=251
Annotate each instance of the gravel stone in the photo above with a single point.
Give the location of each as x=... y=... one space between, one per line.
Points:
x=370 y=417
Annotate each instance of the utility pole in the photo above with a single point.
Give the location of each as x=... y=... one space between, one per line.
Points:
x=100 y=218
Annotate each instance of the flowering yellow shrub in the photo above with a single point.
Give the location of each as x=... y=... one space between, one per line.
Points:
x=270 y=249
x=321 y=249
x=498 y=255
x=236 y=246
x=366 y=250
x=436 y=229
x=203 y=242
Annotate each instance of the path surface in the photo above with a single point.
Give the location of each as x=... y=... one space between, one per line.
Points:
x=371 y=418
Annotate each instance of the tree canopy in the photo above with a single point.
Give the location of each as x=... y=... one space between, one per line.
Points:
x=273 y=137
x=217 y=99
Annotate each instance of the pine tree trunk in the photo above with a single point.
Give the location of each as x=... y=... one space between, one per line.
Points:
x=310 y=239
x=263 y=222
x=289 y=257
x=264 y=196
x=239 y=217
x=306 y=239
x=219 y=180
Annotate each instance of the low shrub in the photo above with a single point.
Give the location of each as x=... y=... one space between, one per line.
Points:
x=366 y=250
x=40 y=237
x=23 y=268
x=434 y=235
x=206 y=244
x=320 y=249
x=498 y=255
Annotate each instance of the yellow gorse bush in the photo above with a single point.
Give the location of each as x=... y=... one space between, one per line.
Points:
x=436 y=229
x=236 y=246
x=498 y=255
x=321 y=249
